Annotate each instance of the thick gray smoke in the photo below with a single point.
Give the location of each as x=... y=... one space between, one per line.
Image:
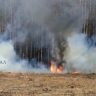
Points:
x=80 y=56
x=62 y=20
x=11 y=62
x=59 y=17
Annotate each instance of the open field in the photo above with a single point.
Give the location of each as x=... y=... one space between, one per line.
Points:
x=31 y=84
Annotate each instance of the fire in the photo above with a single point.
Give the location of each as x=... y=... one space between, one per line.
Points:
x=75 y=72
x=60 y=69
x=52 y=66
x=54 y=69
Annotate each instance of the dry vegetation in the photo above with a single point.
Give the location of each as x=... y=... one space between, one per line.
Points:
x=32 y=84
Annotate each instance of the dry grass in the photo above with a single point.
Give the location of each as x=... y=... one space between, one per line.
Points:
x=32 y=84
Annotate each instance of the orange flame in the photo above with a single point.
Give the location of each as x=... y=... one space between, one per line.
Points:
x=75 y=72
x=60 y=69
x=52 y=65
x=53 y=68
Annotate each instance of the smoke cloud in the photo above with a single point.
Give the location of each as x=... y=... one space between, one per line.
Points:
x=81 y=57
x=11 y=62
x=61 y=21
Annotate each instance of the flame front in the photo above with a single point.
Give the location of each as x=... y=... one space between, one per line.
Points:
x=52 y=65
x=54 y=69
x=60 y=69
x=75 y=72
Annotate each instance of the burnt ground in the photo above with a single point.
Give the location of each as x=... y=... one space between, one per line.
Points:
x=32 y=84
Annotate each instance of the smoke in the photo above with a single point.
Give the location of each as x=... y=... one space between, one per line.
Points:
x=58 y=17
x=60 y=20
x=81 y=57
x=64 y=21
x=11 y=62
x=23 y=23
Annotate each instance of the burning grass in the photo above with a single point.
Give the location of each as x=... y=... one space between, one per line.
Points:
x=31 y=84
x=55 y=69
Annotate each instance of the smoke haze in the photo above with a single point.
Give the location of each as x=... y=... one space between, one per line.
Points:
x=11 y=62
x=62 y=20
x=80 y=56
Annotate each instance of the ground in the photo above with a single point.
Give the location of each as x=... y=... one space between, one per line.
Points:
x=32 y=84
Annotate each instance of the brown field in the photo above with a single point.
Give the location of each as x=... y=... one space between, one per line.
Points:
x=31 y=84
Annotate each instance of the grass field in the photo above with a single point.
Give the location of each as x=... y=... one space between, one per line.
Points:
x=32 y=84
